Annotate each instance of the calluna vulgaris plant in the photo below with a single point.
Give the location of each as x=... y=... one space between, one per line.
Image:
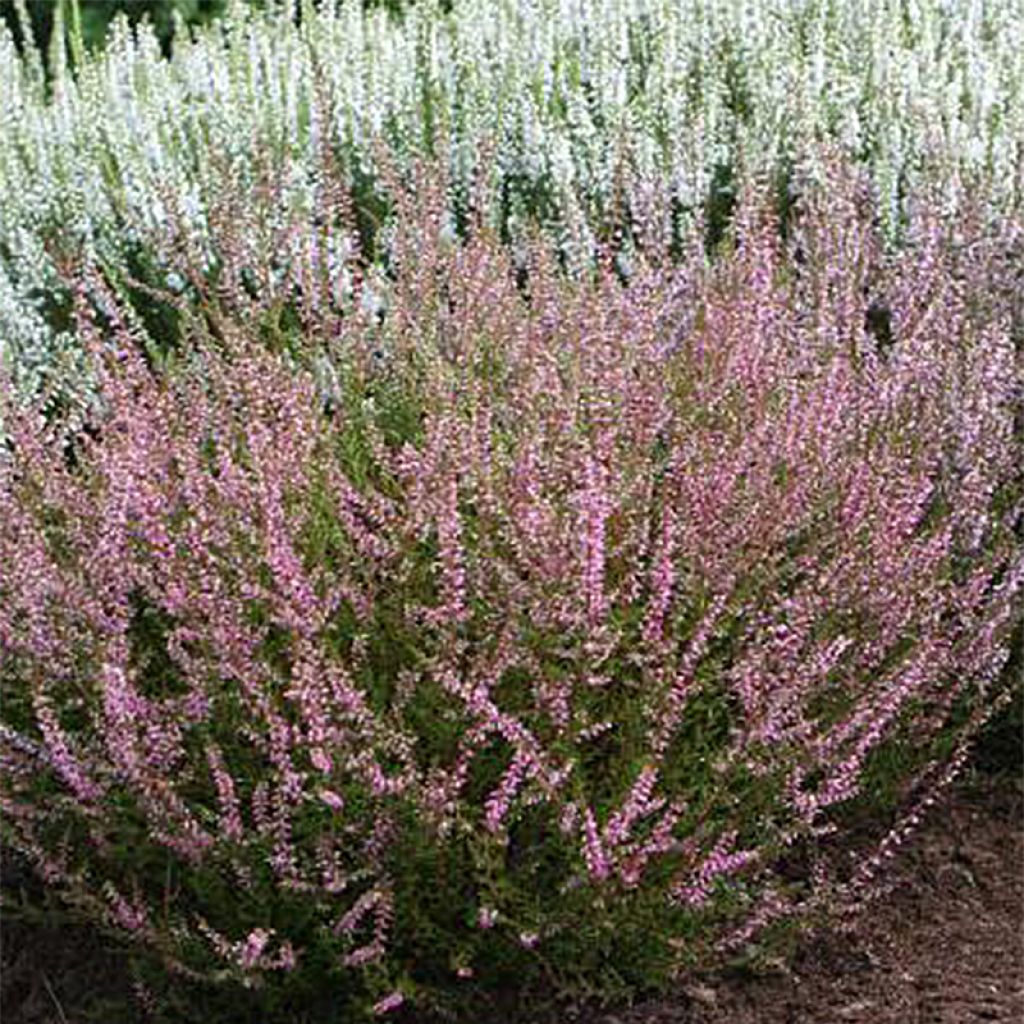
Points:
x=587 y=109
x=511 y=621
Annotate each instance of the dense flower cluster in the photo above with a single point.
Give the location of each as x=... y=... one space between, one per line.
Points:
x=535 y=611
x=592 y=116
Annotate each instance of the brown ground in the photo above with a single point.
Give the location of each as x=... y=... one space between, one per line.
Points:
x=945 y=947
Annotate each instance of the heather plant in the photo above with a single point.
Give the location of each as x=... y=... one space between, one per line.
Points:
x=591 y=115
x=508 y=623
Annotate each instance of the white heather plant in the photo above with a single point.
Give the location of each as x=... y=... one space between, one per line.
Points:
x=622 y=113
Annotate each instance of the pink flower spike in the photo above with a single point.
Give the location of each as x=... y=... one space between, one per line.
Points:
x=332 y=799
x=253 y=947
x=388 y=1003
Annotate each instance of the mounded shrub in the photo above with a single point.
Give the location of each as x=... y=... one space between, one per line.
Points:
x=505 y=623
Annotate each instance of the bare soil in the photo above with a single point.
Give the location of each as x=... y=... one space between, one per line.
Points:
x=945 y=946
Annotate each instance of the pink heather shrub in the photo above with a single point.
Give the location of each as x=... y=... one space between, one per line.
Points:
x=549 y=633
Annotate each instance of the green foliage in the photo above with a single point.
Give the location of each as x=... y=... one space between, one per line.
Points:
x=1000 y=748
x=91 y=18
